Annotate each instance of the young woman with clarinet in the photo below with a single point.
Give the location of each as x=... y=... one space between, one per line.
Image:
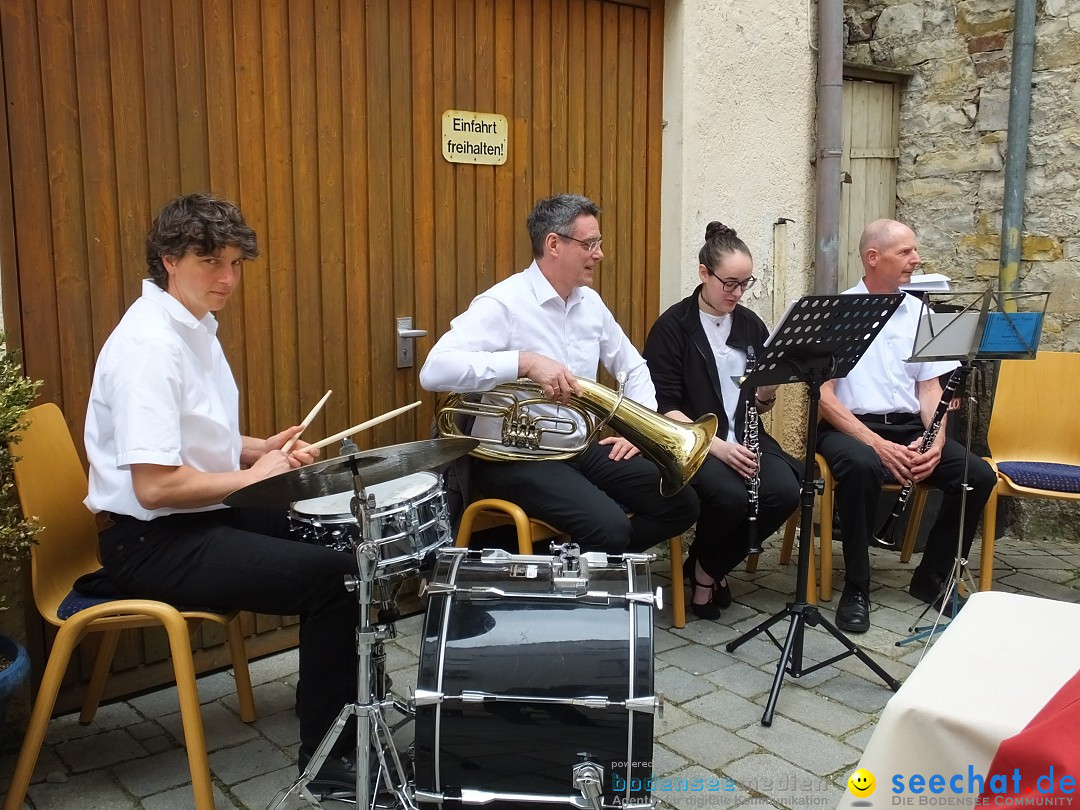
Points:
x=883 y=417
x=748 y=486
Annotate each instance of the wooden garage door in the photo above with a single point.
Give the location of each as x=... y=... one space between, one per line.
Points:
x=321 y=118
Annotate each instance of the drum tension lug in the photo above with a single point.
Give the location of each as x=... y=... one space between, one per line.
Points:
x=589 y=779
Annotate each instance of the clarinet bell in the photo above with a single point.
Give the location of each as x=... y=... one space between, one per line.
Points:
x=885 y=543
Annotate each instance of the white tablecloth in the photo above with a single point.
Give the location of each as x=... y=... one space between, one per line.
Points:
x=983 y=679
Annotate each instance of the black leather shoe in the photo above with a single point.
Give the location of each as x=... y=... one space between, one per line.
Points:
x=853 y=612
x=929 y=586
x=337 y=775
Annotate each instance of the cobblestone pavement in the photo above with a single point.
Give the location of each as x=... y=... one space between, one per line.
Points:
x=131 y=756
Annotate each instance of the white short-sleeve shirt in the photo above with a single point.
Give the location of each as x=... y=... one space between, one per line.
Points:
x=163 y=393
x=881 y=381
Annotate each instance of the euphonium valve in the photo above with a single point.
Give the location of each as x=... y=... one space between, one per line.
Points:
x=677 y=448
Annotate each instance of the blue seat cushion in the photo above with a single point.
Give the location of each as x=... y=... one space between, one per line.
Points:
x=1042 y=475
x=75 y=601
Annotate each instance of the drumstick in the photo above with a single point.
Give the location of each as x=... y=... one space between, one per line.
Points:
x=363 y=426
x=307 y=421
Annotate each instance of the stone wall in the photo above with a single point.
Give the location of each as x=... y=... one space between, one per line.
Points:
x=950 y=179
x=953 y=122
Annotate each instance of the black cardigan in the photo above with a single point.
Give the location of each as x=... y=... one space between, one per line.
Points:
x=683 y=367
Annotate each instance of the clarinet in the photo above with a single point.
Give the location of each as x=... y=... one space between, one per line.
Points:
x=883 y=536
x=751 y=441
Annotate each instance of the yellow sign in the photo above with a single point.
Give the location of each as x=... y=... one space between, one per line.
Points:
x=472 y=137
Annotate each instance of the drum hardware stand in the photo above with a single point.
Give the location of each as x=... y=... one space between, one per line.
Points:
x=373 y=734
x=820 y=338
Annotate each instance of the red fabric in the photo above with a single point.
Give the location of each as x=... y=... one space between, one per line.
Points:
x=1047 y=750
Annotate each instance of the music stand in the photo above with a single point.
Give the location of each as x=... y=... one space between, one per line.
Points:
x=820 y=337
x=977 y=326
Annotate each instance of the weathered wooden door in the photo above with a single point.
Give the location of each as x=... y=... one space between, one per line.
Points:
x=868 y=166
x=322 y=119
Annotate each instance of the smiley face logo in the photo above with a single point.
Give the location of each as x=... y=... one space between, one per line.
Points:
x=862 y=783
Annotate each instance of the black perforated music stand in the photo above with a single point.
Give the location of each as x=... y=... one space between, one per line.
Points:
x=821 y=337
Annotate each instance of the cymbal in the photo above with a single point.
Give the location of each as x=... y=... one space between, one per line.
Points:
x=335 y=475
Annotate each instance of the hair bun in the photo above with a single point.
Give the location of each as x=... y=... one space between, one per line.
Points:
x=718 y=229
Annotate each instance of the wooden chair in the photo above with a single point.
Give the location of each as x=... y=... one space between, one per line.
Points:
x=488 y=513
x=1034 y=438
x=911 y=534
x=51 y=485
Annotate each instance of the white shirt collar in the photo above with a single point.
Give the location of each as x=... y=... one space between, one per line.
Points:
x=543 y=290
x=177 y=311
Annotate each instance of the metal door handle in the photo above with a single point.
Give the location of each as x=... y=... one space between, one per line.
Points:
x=405 y=336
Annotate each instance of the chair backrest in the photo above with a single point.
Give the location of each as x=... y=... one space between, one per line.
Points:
x=52 y=484
x=1034 y=416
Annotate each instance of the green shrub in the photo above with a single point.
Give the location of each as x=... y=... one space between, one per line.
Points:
x=17 y=531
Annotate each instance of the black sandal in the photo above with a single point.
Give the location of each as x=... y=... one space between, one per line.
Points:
x=709 y=610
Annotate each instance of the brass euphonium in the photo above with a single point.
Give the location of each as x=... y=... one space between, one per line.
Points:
x=677 y=448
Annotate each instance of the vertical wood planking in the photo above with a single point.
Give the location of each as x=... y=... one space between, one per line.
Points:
x=354 y=139
x=594 y=114
x=132 y=169
x=67 y=210
x=521 y=128
x=329 y=265
x=97 y=143
x=464 y=66
x=541 y=99
x=653 y=160
x=562 y=87
x=280 y=258
x=637 y=319
x=609 y=156
x=219 y=91
x=629 y=220
x=162 y=127
x=380 y=245
x=426 y=134
x=401 y=218
x=251 y=177
x=191 y=97
x=485 y=175
x=9 y=278
x=322 y=119
x=506 y=215
x=444 y=181
x=577 y=117
x=304 y=228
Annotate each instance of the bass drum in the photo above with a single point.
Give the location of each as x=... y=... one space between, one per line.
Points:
x=529 y=673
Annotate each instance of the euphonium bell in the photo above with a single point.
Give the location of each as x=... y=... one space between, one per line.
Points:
x=677 y=448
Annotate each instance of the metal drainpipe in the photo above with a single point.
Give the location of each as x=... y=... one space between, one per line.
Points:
x=1012 y=207
x=830 y=144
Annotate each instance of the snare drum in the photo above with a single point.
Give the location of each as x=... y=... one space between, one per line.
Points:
x=528 y=676
x=410 y=520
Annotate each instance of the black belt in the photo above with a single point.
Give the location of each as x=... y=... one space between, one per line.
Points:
x=116 y=517
x=890 y=418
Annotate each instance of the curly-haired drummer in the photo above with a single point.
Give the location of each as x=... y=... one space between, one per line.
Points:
x=164 y=444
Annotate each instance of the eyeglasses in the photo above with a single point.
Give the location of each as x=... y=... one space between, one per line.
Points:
x=591 y=245
x=730 y=284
